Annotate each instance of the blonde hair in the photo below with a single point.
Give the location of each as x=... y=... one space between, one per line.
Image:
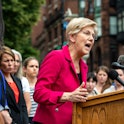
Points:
x=76 y=25
x=19 y=72
x=6 y=50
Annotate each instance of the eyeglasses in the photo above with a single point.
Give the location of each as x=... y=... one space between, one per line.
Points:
x=88 y=33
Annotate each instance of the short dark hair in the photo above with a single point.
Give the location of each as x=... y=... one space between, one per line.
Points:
x=91 y=75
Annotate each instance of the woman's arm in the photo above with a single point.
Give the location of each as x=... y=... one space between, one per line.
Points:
x=27 y=101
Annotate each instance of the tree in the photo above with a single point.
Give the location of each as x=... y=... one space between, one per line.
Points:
x=19 y=17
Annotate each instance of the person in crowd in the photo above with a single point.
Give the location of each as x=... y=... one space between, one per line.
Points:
x=103 y=80
x=4 y=108
x=120 y=60
x=116 y=86
x=30 y=69
x=91 y=83
x=63 y=74
x=17 y=71
x=119 y=86
x=16 y=102
x=120 y=71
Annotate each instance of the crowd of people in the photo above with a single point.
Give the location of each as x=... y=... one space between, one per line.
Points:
x=15 y=94
x=99 y=81
x=44 y=94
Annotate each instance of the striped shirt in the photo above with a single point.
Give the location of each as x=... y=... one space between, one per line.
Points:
x=33 y=103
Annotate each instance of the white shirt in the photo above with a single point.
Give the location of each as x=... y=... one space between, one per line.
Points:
x=25 y=84
x=110 y=89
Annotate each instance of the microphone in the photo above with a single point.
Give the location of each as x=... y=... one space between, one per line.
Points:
x=116 y=65
x=114 y=76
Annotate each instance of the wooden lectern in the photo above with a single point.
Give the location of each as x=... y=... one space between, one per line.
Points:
x=101 y=109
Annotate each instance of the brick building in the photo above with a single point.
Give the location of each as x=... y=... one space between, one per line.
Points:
x=49 y=33
x=109 y=14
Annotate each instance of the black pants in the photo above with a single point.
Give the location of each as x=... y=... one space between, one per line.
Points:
x=32 y=122
x=36 y=123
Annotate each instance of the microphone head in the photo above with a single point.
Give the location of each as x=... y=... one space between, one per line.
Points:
x=116 y=65
x=113 y=74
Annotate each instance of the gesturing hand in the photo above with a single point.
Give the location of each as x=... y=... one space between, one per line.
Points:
x=79 y=94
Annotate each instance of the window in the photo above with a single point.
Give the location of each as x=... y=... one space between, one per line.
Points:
x=91 y=9
x=97 y=14
x=82 y=4
x=113 y=25
x=81 y=7
x=123 y=21
x=97 y=3
x=119 y=23
x=99 y=23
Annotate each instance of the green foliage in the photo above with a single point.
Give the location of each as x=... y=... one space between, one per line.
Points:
x=19 y=17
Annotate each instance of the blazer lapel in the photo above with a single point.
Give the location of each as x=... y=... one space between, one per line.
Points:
x=68 y=58
x=84 y=70
x=11 y=95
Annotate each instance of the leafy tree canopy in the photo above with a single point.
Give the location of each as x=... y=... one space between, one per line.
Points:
x=19 y=17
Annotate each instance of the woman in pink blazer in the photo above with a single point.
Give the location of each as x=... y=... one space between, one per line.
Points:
x=62 y=75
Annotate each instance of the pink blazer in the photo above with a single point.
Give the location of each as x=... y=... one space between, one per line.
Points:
x=56 y=76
